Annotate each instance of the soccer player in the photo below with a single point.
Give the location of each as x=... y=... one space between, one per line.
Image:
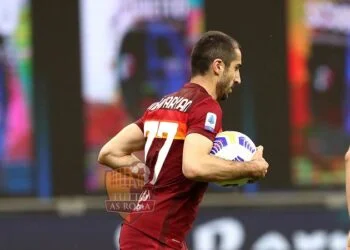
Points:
x=177 y=135
x=347 y=184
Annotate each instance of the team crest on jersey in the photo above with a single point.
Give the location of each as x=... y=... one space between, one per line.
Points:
x=210 y=122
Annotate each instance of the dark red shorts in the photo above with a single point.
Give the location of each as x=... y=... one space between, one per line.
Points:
x=133 y=239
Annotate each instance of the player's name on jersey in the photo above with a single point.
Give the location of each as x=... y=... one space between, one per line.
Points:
x=172 y=102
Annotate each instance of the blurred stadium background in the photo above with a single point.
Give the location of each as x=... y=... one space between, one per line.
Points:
x=73 y=73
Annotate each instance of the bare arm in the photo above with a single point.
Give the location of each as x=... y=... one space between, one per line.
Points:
x=199 y=165
x=118 y=151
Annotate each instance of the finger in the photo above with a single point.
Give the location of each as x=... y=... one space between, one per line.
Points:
x=260 y=149
x=259 y=152
x=267 y=165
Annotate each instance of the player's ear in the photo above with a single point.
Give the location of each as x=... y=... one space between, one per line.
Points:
x=218 y=66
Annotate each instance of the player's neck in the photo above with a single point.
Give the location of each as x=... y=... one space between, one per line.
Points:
x=206 y=83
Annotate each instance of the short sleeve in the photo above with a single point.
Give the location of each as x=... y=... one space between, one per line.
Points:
x=140 y=122
x=205 y=118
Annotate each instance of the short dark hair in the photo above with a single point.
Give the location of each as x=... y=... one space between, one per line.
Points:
x=212 y=45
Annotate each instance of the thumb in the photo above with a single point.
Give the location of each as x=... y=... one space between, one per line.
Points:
x=258 y=152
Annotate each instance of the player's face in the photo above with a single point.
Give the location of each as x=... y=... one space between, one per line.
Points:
x=230 y=77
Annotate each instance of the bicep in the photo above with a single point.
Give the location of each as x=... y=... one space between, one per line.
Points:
x=130 y=139
x=196 y=146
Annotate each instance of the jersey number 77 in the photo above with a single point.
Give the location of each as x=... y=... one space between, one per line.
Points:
x=153 y=129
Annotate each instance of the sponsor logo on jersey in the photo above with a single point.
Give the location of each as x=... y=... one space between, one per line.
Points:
x=210 y=122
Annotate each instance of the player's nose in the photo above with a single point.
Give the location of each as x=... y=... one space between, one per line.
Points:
x=237 y=82
x=237 y=78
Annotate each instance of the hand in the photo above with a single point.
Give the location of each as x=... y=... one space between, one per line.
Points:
x=260 y=164
x=348 y=245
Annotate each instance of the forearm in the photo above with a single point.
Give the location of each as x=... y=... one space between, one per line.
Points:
x=118 y=152
x=214 y=169
x=115 y=161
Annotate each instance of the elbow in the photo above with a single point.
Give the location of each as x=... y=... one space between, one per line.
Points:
x=102 y=156
x=190 y=172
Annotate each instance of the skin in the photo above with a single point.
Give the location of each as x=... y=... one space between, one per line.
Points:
x=198 y=164
x=220 y=79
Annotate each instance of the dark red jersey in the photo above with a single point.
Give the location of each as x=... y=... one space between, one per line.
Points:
x=166 y=124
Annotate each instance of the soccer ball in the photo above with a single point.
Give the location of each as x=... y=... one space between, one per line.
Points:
x=233 y=146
